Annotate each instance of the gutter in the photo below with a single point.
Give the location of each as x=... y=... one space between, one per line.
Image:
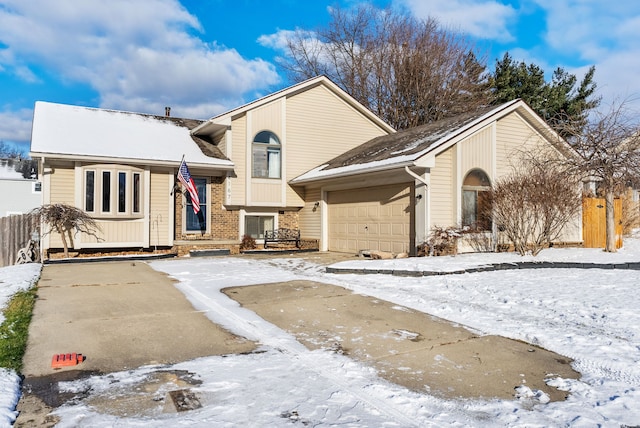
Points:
x=416 y=176
x=226 y=165
x=351 y=173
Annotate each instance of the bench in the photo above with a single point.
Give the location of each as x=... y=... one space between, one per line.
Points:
x=282 y=235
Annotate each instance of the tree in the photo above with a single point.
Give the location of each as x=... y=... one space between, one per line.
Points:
x=532 y=205
x=8 y=152
x=606 y=149
x=407 y=71
x=64 y=219
x=558 y=101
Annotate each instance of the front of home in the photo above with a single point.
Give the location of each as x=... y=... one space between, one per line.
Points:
x=121 y=167
x=308 y=157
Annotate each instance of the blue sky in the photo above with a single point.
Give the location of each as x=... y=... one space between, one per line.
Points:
x=203 y=57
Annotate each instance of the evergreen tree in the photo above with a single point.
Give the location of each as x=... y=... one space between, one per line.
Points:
x=558 y=101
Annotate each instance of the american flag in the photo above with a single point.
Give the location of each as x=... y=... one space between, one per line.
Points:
x=187 y=181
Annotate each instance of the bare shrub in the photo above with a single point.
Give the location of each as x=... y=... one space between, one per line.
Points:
x=630 y=213
x=443 y=241
x=248 y=243
x=532 y=206
x=64 y=219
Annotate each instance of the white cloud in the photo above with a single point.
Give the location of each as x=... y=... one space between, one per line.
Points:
x=484 y=19
x=15 y=126
x=138 y=56
x=604 y=34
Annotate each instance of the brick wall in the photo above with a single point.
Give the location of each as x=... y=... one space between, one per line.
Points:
x=223 y=224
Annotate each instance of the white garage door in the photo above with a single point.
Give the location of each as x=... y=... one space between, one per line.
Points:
x=372 y=218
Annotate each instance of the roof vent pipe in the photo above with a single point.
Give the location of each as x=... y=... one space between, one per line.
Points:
x=167 y=111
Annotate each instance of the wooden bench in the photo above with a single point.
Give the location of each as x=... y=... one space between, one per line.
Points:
x=282 y=235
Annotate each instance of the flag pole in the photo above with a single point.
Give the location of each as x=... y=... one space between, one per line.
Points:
x=175 y=178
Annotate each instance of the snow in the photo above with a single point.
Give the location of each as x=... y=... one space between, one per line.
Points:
x=589 y=315
x=12 y=280
x=63 y=129
x=8 y=171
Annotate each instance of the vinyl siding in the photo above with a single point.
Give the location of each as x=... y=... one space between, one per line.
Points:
x=513 y=136
x=160 y=209
x=477 y=152
x=61 y=191
x=310 y=220
x=442 y=193
x=319 y=127
x=236 y=193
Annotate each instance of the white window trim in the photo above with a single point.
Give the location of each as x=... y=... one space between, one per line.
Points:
x=185 y=206
x=114 y=171
x=245 y=213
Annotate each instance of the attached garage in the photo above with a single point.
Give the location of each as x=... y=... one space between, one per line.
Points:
x=372 y=218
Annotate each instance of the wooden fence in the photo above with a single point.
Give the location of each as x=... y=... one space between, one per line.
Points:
x=15 y=233
x=594 y=222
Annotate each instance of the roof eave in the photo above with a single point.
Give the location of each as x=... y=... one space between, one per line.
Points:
x=224 y=165
x=343 y=174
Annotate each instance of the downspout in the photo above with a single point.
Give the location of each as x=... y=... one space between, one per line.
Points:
x=422 y=232
x=416 y=176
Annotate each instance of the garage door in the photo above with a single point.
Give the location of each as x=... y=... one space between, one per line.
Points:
x=372 y=218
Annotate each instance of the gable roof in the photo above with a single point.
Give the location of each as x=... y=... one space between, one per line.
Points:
x=83 y=133
x=214 y=124
x=407 y=147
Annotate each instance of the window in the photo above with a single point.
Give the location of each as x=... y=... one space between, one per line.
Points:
x=197 y=222
x=89 y=190
x=475 y=200
x=136 y=192
x=122 y=192
x=266 y=155
x=106 y=191
x=109 y=191
x=255 y=225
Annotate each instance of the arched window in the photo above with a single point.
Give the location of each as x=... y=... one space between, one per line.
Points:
x=266 y=155
x=475 y=200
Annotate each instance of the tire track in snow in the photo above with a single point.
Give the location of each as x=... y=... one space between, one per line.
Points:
x=295 y=350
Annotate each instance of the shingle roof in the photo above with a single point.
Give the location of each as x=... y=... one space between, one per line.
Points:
x=403 y=148
x=413 y=141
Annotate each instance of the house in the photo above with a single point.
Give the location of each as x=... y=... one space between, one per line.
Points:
x=120 y=167
x=308 y=157
x=388 y=193
x=19 y=186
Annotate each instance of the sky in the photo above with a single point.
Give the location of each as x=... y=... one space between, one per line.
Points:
x=204 y=57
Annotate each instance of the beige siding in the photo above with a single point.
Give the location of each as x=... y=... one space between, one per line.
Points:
x=513 y=137
x=477 y=152
x=442 y=194
x=309 y=219
x=320 y=126
x=115 y=234
x=160 y=206
x=265 y=193
x=62 y=186
x=267 y=118
x=61 y=191
x=236 y=191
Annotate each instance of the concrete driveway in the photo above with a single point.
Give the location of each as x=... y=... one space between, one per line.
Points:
x=118 y=315
x=123 y=315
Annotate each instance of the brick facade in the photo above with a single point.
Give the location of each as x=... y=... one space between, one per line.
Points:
x=223 y=224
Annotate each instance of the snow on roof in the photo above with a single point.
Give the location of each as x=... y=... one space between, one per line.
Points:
x=8 y=170
x=76 y=131
x=401 y=148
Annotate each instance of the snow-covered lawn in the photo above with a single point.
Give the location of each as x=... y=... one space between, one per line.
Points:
x=589 y=315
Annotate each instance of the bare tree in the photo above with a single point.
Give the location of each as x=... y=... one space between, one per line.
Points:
x=64 y=219
x=607 y=150
x=409 y=72
x=533 y=205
